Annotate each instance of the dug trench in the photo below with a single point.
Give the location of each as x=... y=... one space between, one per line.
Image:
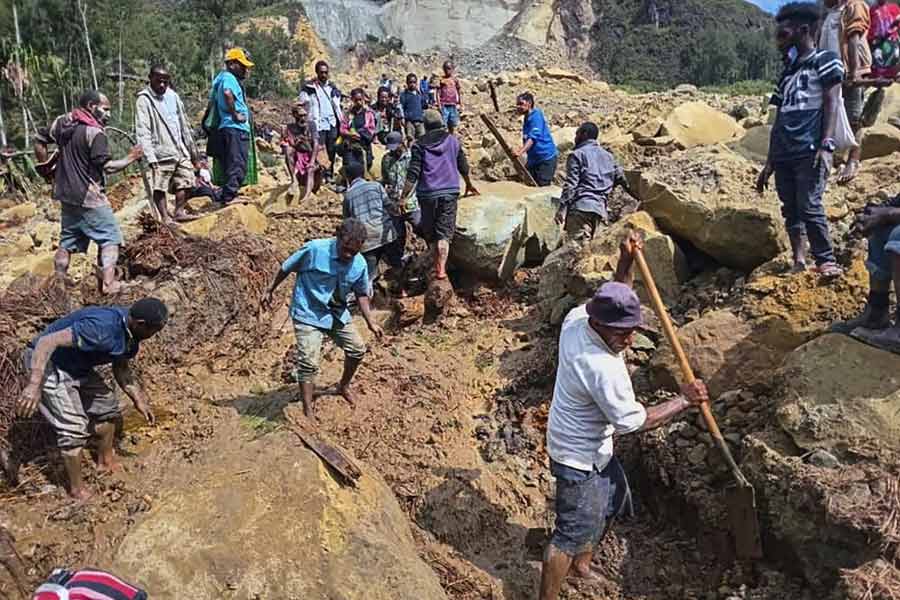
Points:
x=221 y=499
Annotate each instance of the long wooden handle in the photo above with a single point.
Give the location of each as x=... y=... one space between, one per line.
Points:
x=660 y=309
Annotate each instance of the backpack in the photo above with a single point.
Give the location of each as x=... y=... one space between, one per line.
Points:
x=87 y=584
x=215 y=145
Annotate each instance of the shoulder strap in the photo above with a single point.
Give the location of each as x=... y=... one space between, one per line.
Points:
x=161 y=118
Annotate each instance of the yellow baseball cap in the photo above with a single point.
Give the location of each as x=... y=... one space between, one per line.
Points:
x=240 y=55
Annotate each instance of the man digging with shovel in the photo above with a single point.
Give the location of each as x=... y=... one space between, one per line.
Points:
x=593 y=400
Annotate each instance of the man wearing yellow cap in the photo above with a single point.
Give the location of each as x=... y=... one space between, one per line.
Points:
x=234 y=121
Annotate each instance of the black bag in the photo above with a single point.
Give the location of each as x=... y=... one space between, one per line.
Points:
x=215 y=145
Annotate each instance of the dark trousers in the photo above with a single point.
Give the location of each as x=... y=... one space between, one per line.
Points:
x=329 y=140
x=237 y=152
x=800 y=186
x=544 y=172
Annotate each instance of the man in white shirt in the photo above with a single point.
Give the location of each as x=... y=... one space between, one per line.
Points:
x=324 y=106
x=593 y=400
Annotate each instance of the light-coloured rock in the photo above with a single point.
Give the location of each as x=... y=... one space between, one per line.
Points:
x=698 y=124
x=839 y=394
x=564 y=138
x=648 y=129
x=508 y=225
x=18 y=213
x=44 y=234
x=881 y=139
x=754 y=145
x=661 y=140
x=578 y=271
x=288 y=530
x=613 y=136
x=723 y=349
x=224 y=223
x=686 y=88
x=555 y=73
x=706 y=196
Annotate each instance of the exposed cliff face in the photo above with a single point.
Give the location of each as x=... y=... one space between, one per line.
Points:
x=420 y=24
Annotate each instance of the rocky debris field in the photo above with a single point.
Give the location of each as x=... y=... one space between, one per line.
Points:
x=221 y=498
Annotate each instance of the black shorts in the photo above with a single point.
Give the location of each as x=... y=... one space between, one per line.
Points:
x=544 y=172
x=438 y=220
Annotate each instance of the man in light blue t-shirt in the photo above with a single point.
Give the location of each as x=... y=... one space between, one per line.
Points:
x=234 y=121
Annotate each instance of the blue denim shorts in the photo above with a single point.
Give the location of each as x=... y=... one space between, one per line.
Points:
x=586 y=504
x=451 y=115
x=883 y=242
x=81 y=226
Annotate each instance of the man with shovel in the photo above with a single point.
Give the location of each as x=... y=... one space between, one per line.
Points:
x=593 y=400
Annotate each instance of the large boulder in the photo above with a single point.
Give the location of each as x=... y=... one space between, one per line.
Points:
x=727 y=352
x=287 y=530
x=841 y=395
x=881 y=139
x=754 y=146
x=508 y=225
x=227 y=221
x=707 y=197
x=698 y=124
x=564 y=138
x=572 y=273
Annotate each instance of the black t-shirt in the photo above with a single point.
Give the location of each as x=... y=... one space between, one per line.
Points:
x=84 y=150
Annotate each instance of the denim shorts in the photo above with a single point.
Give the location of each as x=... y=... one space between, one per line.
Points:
x=883 y=242
x=586 y=504
x=451 y=115
x=81 y=226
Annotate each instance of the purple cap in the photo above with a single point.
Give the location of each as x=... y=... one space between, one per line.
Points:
x=616 y=305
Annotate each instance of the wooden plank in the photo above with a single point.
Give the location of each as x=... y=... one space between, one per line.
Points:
x=520 y=168
x=493 y=95
x=333 y=456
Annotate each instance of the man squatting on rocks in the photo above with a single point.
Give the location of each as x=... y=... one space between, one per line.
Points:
x=593 y=400
x=80 y=185
x=164 y=134
x=802 y=144
x=72 y=396
x=436 y=165
x=592 y=173
x=328 y=271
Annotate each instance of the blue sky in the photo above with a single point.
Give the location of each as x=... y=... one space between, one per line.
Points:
x=769 y=5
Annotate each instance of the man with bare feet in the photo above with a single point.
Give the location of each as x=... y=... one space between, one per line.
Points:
x=164 y=133
x=593 y=400
x=882 y=226
x=328 y=271
x=80 y=185
x=72 y=396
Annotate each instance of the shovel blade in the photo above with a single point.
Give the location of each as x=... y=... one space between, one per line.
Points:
x=741 y=503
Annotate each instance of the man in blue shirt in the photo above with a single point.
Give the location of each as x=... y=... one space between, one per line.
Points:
x=234 y=121
x=537 y=142
x=802 y=143
x=328 y=271
x=73 y=397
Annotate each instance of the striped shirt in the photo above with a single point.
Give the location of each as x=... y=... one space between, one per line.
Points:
x=800 y=98
x=368 y=202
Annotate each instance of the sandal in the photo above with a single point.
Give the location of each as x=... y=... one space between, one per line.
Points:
x=829 y=270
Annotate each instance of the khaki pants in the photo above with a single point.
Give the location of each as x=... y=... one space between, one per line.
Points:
x=582 y=225
x=309 y=346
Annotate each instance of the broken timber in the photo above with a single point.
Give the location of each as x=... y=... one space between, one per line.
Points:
x=331 y=455
x=493 y=95
x=520 y=168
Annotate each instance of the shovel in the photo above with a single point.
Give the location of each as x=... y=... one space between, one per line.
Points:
x=740 y=498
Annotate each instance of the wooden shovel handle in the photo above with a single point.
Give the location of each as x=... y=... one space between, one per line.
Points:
x=660 y=309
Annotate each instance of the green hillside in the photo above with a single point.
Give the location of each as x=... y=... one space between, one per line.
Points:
x=667 y=42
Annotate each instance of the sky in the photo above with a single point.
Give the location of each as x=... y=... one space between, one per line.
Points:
x=769 y=5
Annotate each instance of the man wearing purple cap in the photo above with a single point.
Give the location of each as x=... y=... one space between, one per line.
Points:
x=592 y=400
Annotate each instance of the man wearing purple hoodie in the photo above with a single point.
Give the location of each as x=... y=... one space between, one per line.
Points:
x=434 y=170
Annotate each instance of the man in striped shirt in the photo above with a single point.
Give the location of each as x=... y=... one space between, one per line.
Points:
x=802 y=144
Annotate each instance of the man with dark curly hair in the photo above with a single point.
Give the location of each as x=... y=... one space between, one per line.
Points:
x=328 y=271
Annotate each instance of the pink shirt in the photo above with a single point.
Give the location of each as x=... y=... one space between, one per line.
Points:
x=449 y=91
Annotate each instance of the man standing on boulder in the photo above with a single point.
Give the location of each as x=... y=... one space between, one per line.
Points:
x=80 y=185
x=73 y=397
x=436 y=165
x=328 y=271
x=324 y=111
x=537 y=142
x=802 y=143
x=234 y=122
x=882 y=226
x=593 y=401
x=592 y=174
x=162 y=129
